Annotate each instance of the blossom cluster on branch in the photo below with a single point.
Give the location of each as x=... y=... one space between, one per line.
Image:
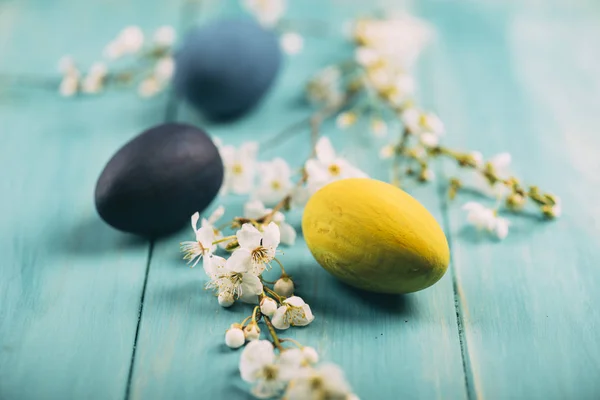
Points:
x=151 y=64
x=273 y=367
x=379 y=81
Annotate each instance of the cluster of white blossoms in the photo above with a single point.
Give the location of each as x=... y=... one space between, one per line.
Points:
x=273 y=369
x=156 y=56
x=272 y=181
x=269 y=14
x=235 y=265
x=377 y=84
x=294 y=373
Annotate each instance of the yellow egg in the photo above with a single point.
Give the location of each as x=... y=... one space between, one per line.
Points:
x=374 y=236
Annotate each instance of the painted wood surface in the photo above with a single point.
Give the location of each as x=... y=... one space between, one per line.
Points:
x=70 y=286
x=527 y=83
x=87 y=312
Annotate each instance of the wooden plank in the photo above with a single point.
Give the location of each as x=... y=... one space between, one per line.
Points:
x=527 y=83
x=389 y=346
x=70 y=286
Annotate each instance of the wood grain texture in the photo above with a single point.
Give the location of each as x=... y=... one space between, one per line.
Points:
x=527 y=83
x=389 y=346
x=70 y=286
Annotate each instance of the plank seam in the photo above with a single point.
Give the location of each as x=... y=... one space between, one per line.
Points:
x=464 y=351
x=139 y=321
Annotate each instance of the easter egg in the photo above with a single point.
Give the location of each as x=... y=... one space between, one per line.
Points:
x=374 y=236
x=155 y=182
x=225 y=67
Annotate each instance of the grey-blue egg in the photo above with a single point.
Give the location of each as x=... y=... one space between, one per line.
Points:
x=225 y=68
x=155 y=182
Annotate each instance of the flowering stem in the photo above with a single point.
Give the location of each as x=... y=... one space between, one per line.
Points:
x=280 y=266
x=225 y=239
x=399 y=151
x=297 y=343
x=274 y=295
x=271 y=328
x=245 y=320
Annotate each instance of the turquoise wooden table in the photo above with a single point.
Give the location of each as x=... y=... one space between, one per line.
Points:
x=88 y=312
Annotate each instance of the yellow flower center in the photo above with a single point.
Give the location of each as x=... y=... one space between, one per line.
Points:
x=275 y=185
x=334 y=169
x=260 y=255
x=237 y=169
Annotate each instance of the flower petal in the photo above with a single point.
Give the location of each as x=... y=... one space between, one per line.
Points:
x=254 y=209
x=271 y=236
x=256 y=355
x=280 y=320
x=251 y=288
x=288 y=234
x=240 y=261
x=248 y=237
x=295 y=301
x=324 y=150
x=195 y=219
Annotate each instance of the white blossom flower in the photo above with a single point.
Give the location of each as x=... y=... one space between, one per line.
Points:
x=387 y=151
x=419 y=122
x=252 y=332
x=68 y=86
x=211 y=222
x=232 y=285
x=257 y=249
x=269 y=374
x=427 y=175
x=556 y=209
x=66 y=65
x=484 y=218
x=429 y=139
x=328 y=167
x=91 y=84
x=98 y=69
x=149 y=87
x=294 y=312
x=284 y=286
x=324 y=87
x=275 y=181
x=203 y=246
x=267 y=12
x=165 y=36
x=114 y=50
x=164 y=69
x=324 y=382
x=255 y=209
x=291 y=42
x=401 y=88
x=379 y=128
x=310 y=355
x=131 y=39
x=477 y=158
x=234 y=336
x=240 y=167
x=268 y=306
x=399 y=40
x=500 y=163
x=345 y=119
x=366 y=56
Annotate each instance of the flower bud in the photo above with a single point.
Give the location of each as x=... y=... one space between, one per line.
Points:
x=515 y=201
x=234 y=337
x=310 y=354
x=252 y=332
x=268 y=306
x=225 y=299
x=284 y=287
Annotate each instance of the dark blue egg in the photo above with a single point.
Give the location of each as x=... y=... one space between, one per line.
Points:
x=155 y=182
x=225 y=67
